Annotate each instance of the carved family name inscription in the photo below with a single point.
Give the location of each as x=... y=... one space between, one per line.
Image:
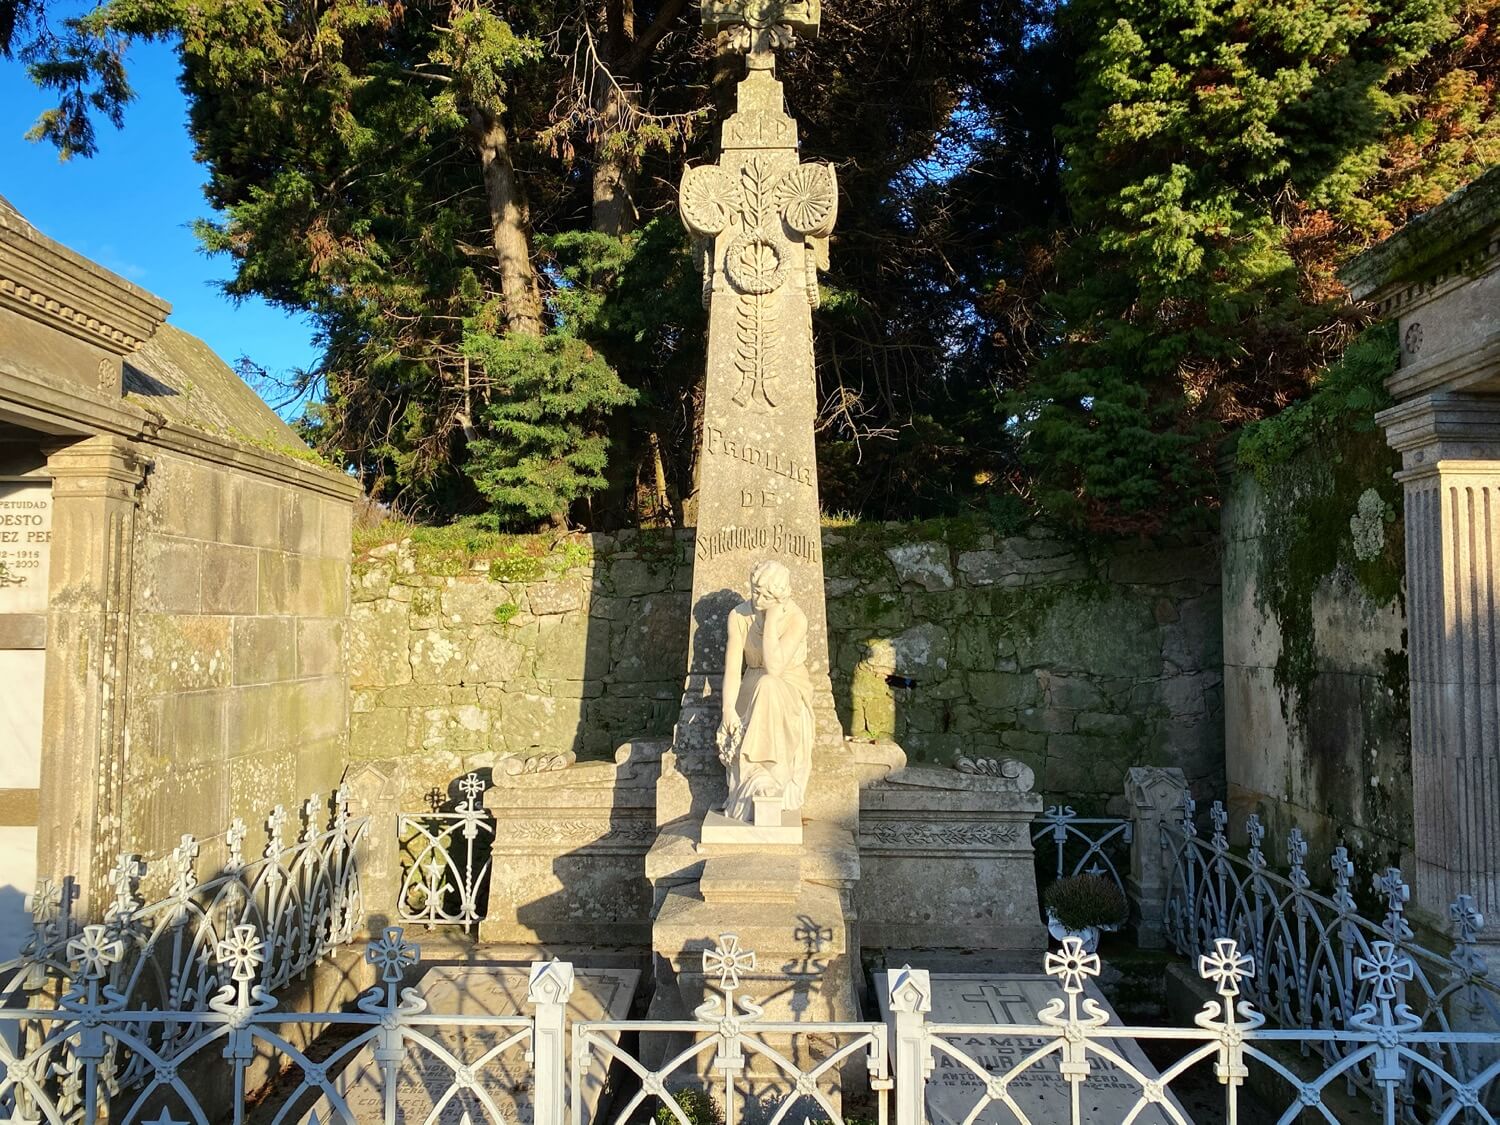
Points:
x=777 y=539
x=719 y=444
x=25 y=545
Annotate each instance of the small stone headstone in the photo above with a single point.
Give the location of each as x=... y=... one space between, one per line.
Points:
x=1109 y=1094
x=424 y=1079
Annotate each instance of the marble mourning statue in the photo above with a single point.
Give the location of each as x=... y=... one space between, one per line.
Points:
x=765 y=738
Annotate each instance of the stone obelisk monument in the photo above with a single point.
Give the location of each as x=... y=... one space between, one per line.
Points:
x=761 y=219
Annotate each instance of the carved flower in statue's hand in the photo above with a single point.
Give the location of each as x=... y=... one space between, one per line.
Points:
x=808 y=198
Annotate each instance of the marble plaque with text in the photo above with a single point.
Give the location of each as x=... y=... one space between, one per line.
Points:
x=25 y=545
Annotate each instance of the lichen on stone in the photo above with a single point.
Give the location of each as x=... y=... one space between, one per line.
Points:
x=1367 y=525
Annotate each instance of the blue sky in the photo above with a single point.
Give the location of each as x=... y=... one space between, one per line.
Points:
x=129 y=209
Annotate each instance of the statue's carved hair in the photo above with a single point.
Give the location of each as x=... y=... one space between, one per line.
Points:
x=772 y=578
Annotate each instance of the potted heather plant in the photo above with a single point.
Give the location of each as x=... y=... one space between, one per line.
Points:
x=1084 y=906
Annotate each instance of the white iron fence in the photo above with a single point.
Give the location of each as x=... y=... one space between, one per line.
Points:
x=445 y=862
x=392 y=1062
x=1312 y=951
x=297 y=901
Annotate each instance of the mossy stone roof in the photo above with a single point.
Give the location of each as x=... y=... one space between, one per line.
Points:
x=181 y=378
x=1432 y=243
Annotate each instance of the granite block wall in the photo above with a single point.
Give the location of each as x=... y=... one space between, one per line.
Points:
x=946 y=636
x=238 y=699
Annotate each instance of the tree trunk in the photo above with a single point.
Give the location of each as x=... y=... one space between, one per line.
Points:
x=613 y=204
x=510 y=225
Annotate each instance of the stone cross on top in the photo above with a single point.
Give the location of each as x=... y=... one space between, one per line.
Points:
x=760 y=219
x=758 y=15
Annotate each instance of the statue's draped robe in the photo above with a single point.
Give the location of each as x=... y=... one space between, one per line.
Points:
x=775 y=707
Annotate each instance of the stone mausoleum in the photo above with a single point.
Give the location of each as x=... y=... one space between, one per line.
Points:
x=174 y=583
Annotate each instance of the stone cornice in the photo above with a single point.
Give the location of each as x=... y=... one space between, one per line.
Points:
x=1452 y=239
x=46 y=282
x=251 y=459
x=58 y=406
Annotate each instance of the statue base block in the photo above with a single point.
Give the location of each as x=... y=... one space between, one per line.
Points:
x=766 y=878
x=784 y=828
x=803 y=965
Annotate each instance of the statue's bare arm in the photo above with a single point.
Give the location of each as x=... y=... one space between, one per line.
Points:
x=734 y=667
x=785 y=630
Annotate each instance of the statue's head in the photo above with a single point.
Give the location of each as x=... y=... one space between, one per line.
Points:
x=770 y=582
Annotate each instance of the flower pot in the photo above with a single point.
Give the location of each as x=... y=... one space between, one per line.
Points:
x=1089 y=935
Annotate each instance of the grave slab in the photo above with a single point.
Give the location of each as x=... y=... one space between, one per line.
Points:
x=1040 y=1091
x=470 y=990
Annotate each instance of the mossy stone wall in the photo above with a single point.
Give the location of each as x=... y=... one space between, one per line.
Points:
x=948 y=637
x=1317 y=720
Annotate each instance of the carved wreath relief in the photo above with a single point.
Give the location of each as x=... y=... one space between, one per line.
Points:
x=746 y=207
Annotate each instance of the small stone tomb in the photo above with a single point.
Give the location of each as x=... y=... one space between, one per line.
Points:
x=1015 y=998
x=498 y=990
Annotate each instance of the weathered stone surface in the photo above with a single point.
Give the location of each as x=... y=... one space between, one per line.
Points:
x=496 y=657
x=659 y=626
x=920 y=650
x=1316 y=737
x=547 y=598
x=378 y=644
x=182 y=653
x=572 y=648
x=630 y=578
x=229 y=579
x=265 y=649
x=320 y=646
x=997 y=670
x=439 y=657
x=946 y=861
x=922 y=564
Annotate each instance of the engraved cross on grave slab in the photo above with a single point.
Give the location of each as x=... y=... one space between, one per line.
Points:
x=760 y=219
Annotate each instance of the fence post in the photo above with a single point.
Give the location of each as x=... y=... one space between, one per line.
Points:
x=909 y=993
x=550 y=987
x=1154 y=794
x=375 y=790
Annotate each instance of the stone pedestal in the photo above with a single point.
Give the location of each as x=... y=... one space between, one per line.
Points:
x=947 y=861
x=806 y=956
x=568 y=865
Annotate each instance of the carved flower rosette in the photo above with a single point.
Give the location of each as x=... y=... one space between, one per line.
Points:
x=808 y=198
x=708 y=198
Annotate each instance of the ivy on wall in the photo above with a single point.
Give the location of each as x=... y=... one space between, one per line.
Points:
x=1331 y=501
